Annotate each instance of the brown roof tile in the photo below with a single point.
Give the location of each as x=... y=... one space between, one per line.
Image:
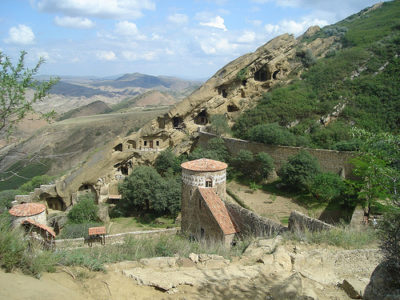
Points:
x=204 y=165
x=97 y=230
x=42 y=226
x=218 y=209
x=27 y=209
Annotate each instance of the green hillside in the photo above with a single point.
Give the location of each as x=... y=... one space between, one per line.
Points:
x=359 y=79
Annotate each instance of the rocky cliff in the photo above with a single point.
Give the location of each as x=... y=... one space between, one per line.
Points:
x=231 y=90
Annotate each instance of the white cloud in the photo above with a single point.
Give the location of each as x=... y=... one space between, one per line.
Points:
x=74 y=22
x=217 y=22
x=22 y=35
x=178 y=18
x=247 y=37
x=130 y=55
x=216 y=45
x=291 y=26
x=106 y=55
x=112 y=9
x=135 y=56
x=43 y=54
x=126 y=28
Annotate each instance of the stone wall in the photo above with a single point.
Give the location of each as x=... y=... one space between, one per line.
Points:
x=250 y=223
x=114 y=238
x=330 y=160
x=301 y=222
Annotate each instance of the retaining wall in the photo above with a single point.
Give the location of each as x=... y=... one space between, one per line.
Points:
x=330 y=160
x=114 y=238
x=250 y=223
x=301 y=222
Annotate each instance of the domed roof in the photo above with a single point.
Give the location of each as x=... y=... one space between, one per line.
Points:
x=27 y=209
x=204 y=165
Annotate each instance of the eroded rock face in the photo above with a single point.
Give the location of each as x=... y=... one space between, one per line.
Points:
x=231 y=90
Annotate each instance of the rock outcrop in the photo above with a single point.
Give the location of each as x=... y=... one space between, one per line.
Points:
x=231 y=90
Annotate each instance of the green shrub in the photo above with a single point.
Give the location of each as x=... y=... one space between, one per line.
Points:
x=84 y=211
x=6 y=197
x=17 y=252
x=253 y=167
x=219 y=124
x=215 y=149
x=327 y=186
x=343 y=237
x=298 y=172
x=145 y=190
x=272 y=134
x=35 y=182
x=167 y=163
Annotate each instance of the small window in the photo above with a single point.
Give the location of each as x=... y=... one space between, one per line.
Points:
x=145 y=143
x=157 y=143
x=199 y=203
x=202 y=233
x=208 y=183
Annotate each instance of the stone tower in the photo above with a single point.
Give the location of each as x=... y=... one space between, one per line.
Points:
x=204 y=214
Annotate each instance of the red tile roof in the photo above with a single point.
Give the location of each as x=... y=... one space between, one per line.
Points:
x=117 y=197
x=41 y=226
x=218 y=210
x=27 y=209
x=97 y=230
x=204 y=165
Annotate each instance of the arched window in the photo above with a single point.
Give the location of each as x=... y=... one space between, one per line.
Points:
x=208 y=183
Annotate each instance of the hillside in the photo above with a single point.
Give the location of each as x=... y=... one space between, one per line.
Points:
x=73 y=92
x=355 y=84
x=94 y=108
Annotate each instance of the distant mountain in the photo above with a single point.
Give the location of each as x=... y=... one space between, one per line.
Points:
x=74 y=90
x=94 y=108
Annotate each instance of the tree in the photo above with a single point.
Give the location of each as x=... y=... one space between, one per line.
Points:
x=14 y=82
x=254 y=167
x=272 y=134
x=84 y=211
x=379 y=180
x=215 y=149
x=298 y=172
x=327 y=186
x=167 y=163
x=145 y=190
x=219 y=124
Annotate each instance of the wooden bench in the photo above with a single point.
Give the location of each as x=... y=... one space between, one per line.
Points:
x=97 y=234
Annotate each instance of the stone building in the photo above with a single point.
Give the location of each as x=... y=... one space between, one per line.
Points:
x=32 y=211
x=204 y=214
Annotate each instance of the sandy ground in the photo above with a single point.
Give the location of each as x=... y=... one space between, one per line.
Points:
x=267 y=205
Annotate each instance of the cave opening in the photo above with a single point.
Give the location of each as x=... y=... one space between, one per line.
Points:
x=118 y=148
x=262 y=75
x=201 y=118
x=177 y=122
x=232 y=108
x=275 y=74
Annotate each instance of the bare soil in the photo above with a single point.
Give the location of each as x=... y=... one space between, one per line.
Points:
x=269 y=205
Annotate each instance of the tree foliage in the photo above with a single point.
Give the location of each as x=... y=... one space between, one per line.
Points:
x=215 y=149
x=84 y=211
x=327 y=186
x=298 y=172
x=254 y=167
x=167 y=163
x=14 y=83
x=219 y=125
x=146 y=190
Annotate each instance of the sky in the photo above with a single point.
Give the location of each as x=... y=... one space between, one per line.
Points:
x=190 y=39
